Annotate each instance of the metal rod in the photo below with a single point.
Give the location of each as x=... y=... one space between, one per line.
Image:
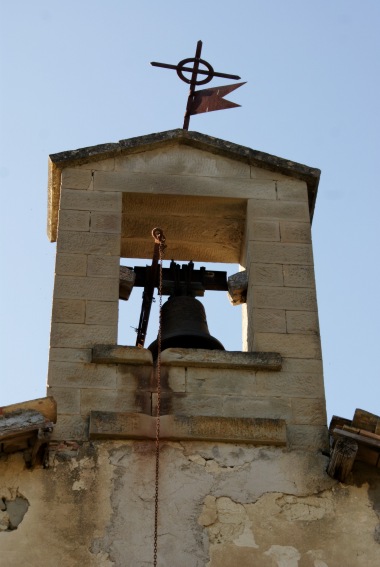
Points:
x=159 y=242
x=186 y=121
x=190 y=69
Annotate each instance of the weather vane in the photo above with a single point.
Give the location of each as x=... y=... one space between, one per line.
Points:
x=205 y=100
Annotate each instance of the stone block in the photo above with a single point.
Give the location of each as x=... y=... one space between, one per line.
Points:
x=289 y=384
x=198 y=229
x=273 y=408
x=183 y=250
x=176 y=379
x=68 y=399
x=74 y=220
x=112 y=425
x=258 y=209
x=90 y=201
x=226 y=406
x=308 y=411
x=299 y=276
x=289 y=298
x=71 y=264
x=101 y=165
x=70 y=426
x=189 y=404
x=220 y=359
x=289 y=345
x=266 y=274
x=260 y=173
x=105 y=222
x=292 y=190
x=116 y=354
x=312 y=366
x=278 y=253
x=69 y=311
x=125 y=181
x=73 y=178
x=81 y=375
x=81 y=336
x=89 y=243
x=133 y=378
x=308 y=437
x=269 y=320
x=107 y=400
x=304 y=322
x=218 y=381
x=102 y=312
x=103 y=266
x=183 y=160
x=72 y=287
x=295 y=232
x=70 y=354
x=264 y=230
x=186 y=206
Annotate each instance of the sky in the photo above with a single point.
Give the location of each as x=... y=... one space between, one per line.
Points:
x=77 y=74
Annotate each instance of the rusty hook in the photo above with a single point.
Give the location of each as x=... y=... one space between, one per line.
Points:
x=158 y=235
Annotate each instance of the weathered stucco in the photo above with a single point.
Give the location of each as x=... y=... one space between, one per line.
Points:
x=219 y=505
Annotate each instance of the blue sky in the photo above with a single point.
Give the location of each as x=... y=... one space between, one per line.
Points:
x=77 y=74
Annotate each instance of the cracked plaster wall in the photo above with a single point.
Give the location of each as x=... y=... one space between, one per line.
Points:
x=220 y=505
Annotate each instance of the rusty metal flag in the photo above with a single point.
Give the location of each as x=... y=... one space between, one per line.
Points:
x=207 y=100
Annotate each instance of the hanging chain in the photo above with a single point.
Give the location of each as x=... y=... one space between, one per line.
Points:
x=158 y=374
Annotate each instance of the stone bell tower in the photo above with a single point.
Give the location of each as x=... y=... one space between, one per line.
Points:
x=217 y=202
x=236 y=426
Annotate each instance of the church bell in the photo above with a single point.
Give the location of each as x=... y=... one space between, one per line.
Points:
x=184 y=325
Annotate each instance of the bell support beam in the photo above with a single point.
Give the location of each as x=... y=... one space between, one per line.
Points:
x=200 y=280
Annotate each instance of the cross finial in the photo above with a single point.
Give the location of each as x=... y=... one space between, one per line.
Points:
x=205 y=100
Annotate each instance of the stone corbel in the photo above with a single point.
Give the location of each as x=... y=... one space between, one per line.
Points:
x=237 y=288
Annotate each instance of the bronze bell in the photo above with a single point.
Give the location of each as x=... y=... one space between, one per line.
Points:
x=184 y=325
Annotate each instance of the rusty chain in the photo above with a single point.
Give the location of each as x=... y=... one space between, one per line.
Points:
x=158 y=375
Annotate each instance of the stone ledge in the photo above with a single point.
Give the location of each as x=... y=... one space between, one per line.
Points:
x=221 y=359
x=257 y=431
x=116 y=354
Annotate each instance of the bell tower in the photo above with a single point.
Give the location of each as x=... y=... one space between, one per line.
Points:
x=216 y=202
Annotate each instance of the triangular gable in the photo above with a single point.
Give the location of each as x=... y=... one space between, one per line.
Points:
x=232 y=153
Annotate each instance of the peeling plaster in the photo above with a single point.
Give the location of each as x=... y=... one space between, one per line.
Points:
x=309 y=509
x=12 y=511
x=317 y=555
x=284 y=556
x=219 y=505
x=284 y=528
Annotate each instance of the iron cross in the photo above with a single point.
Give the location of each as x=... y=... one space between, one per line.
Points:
x=205 y=100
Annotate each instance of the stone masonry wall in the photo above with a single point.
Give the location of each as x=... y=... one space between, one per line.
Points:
x=212 y=208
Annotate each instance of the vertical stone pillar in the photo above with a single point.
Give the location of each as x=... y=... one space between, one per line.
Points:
x=86 y=290
x=281 y=310
x=281 y=299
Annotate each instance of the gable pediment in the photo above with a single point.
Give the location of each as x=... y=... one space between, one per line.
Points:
x=160 y=164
